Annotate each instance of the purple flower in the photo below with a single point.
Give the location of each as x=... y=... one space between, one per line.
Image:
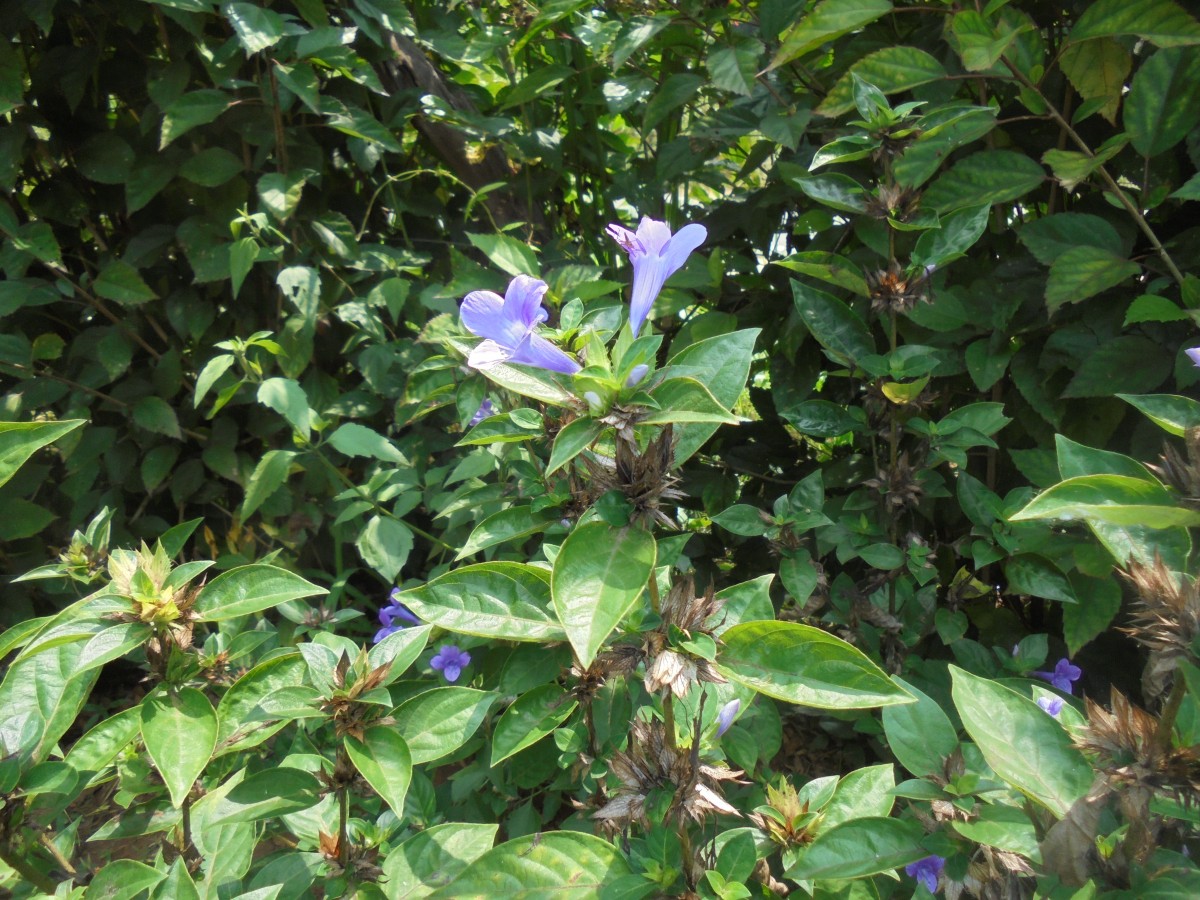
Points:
x=1194 y=353
x=636 y=374
x=656 y=256
x=390 y=613
x=1052 y=705
x=508 y=323
x=485 y=409
x=726 y=716
x=927 y=871
x=450 y=661
x=1063 y=676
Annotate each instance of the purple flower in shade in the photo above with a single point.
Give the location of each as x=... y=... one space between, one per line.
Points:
x=485 y=409
x=726 y=716
x=1063 y=676
x=927 y=871
x=390 y=613
x=1052 y=705
x=1194 y=355
x=656 y=255
x=636 y=374
x=508 y=325
x=450 y=661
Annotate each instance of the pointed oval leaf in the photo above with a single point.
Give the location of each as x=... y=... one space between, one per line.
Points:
x=440 y=721
x=598 y=576
x=180 y=731
x=804 y=665
x=432 y=858
x=919 y=734
x=251 y=589
x=382 y=758
x=265 y=794
x=859 y=848
x=1113 y=499
x=530 y=718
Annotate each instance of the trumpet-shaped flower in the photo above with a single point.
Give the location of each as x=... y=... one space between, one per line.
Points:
x=1052 y=705
x=1064 y=675
x=450 y=661
x=390 y=613
x=927 y=871
x=726 y=716
x=656 y=255
x=1194 y=355
x=486 y=409
x=507 y=324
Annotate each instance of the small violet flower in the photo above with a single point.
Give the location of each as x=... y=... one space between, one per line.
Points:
x=507 y=324
x=1194 y=354
x=636 y=374
x=656 y=255
x=390 y=613
x=450 y=661
x=927 y=871
x=485 y=410
x=726 y=716
x=1063 y=676
x=1052 y=705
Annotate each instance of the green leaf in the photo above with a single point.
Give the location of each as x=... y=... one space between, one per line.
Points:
x=507 y=253
x=1049 y=237
x=384 y=545
x=1115 y=499
x=942 y=131
x=734 y=68
x=100 y=745
x=1161 y=22
x=257 y=28
x=507 y=525
x=432 y=858
x=1072 y=167
x=838 y=328
x=1153 y=308
x=571 y=440
x=382 y=758
x=1028 y=749
x=210 y=167
x=267 y=794
x=1082 y=272
x=537 y=83
x=1163 y=104
x=859 y=848
x=862 y=793
x=354 y=439
x=891 y=70
x=1190 y=189
x=20 y=440
x=269 y=475
x=722 y=364
x=1038 y=577
x=958 y=233
x=250 y=589
x=521 y=380
x=1172 y=413
x=829 y=19
x=806 y=666
x=123 y=879
x=179 y=729
x=497 y=600
x=190 y=111
x=242 y=256
x=566 y=865
x=676 y=90
x=980 y=42
x=112 y=643
x=1077 y=459
x=178 y=885
x=744 y=520
x=148 y=178
x=1084 y=621
x=1004 y=827
x=105 y=158
x=599 y=574
x=247 y=693
x=155 y=414
x=837 y=191
x=1098 y=69
x=920 y=734
x=530 y=718
x=984 y=177
x=686 y=400
x=439 y=721
x=287 y=398
x=1125 y=363
x=38 y=240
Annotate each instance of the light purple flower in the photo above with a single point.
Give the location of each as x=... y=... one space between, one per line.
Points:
x=656 y=255
x=485 y=409
x=1063 y=676
x=927 y=871
x=726 y=716
x=450 y=661
x=508 y=325
x=1194 y=354
x=1052 y=705
x=636 y=374
x=390 y=613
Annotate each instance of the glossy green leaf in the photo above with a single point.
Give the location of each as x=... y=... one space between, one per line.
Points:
x=257 y=28
x=1049 y=237
x=721 y=364
x=250 y=589
x=432 y=858
x=190 y=111
x=958 y=233
x=1025 y=747
x=806 y=666
x=382 y=758
x=47 y=690
x=512 y=256
x=598 y=576
x=354 y=439
x=530 y=718
x=266 y=794
x=1161 y=22
x=121 y=282
x=510 y=524
x=892 y=69
x=837 y=191
x=686 y=400
x=236 y=730
x=179 y=729
x=1163 y=104
x=1170 y=412
x=564 y=864
x=1113 y=499
x=439 y=721
x=859 y=848
x=571 y=440
x=384 y=544
x=20 y=440
x=498 y=600
x=984 y=177
x=862 y=793
x=827 y=20
x=122 y=879
x=1004 y=827
x=1082 y=272
x=837 y=327
x=400 y=650
x=1038 y=577
x=919 y=734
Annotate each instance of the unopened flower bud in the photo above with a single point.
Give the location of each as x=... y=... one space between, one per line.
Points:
x=726 y=716
x=637 y=374
x=595 y=404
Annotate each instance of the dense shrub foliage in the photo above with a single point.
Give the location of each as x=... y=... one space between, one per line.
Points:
x=831 y=535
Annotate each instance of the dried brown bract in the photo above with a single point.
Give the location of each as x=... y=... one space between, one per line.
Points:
x=643 y=477
x=652 y=768
x=1180 y=473
x=894 y=290
x=898 y=484
x=1165 y=619
x=667 y=667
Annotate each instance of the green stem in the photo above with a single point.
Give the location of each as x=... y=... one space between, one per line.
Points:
x=1166 y=722
x=19 y=865
x=343 y=830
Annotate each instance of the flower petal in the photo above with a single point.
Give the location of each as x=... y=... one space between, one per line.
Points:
x=626 y=239
x=649 y=274
x=488 y=354
x=523 y=302
x=653 y=234
x=677 y=250
x=1194 y=355
x=537 y=351
x=482 y=314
